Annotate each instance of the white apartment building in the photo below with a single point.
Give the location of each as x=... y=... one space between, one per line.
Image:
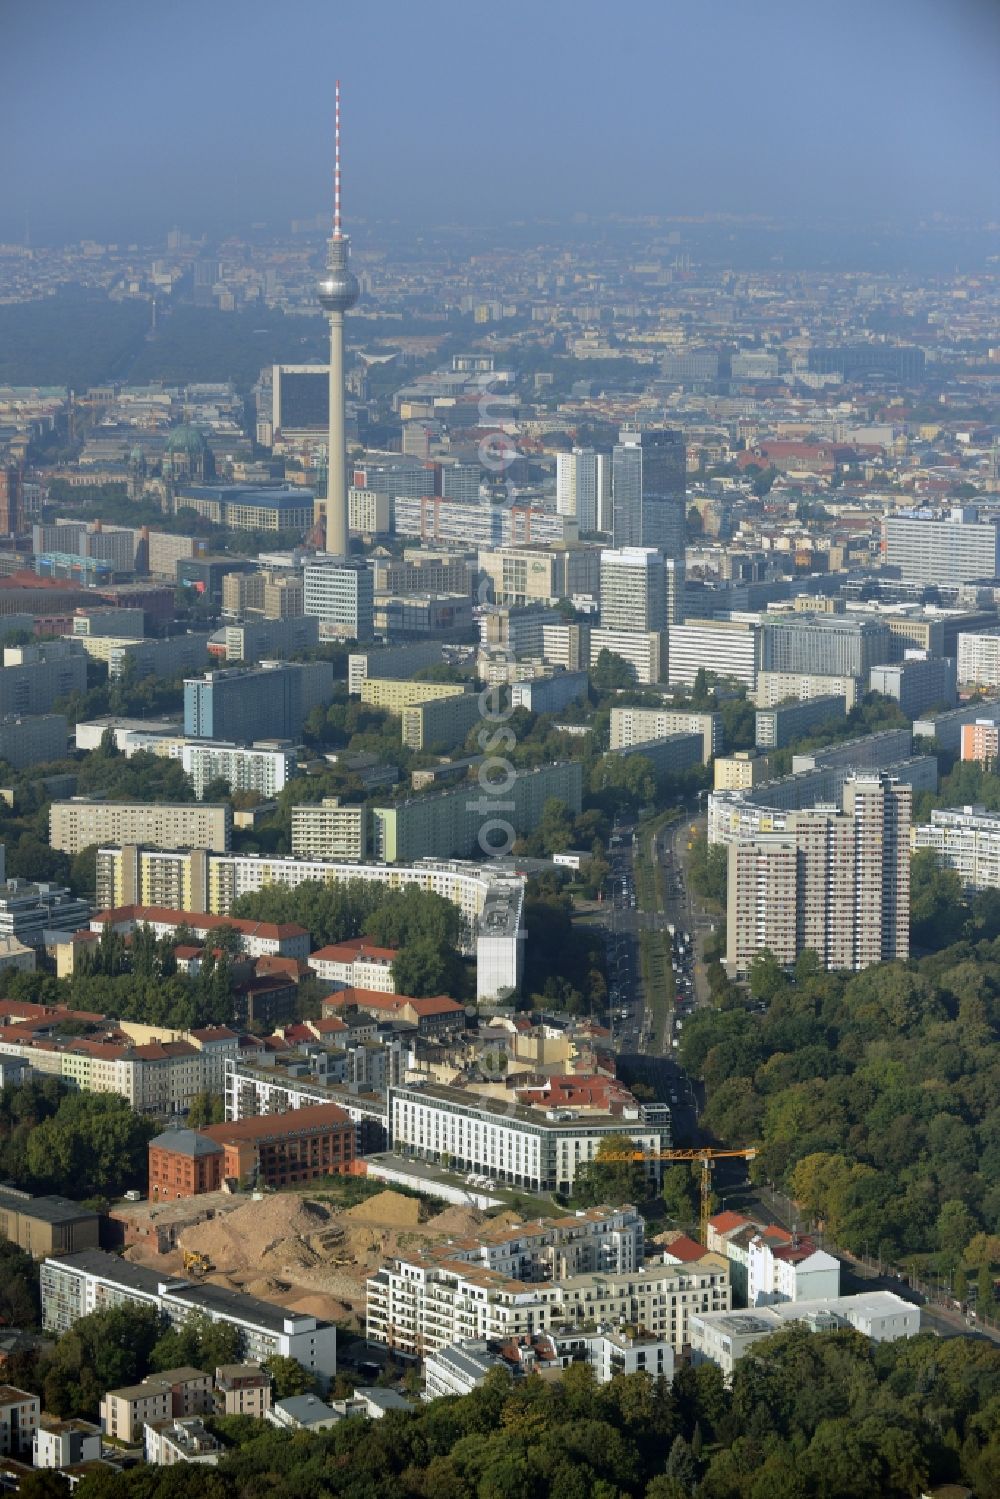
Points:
x=979 y=659
x=74 y=1285
x=967 y=840
x=726 y=647
x=630 y=726
x=723 y=1338
x=355 y=964
x=419 y=1304
x=263 y=768
x=797 y=1271
x=342 y=596
x=538 y=1149
x=330 y=830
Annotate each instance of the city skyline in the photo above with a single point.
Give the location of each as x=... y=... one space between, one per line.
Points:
x=123 y=126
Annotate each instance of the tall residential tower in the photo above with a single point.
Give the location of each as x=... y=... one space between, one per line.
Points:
x=338 y=291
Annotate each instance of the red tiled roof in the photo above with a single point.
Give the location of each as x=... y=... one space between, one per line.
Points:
x=352 y=949
x=198 y=921
x=267 y=1126
x=685 y=1249
x=724 y=1222
x=374 y=999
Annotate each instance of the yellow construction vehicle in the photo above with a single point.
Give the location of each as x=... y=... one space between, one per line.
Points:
x=195 y=1263
x=705 y=1155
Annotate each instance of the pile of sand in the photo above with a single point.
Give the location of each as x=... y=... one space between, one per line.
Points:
x=387 y=1208
x=249 y=1234
x=456 y=1222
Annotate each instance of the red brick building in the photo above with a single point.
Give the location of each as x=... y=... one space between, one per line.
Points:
x=275 y=1150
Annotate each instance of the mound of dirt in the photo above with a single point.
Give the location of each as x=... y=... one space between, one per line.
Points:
x=248 y=1234
x=389 y=1208
x=455 y=1221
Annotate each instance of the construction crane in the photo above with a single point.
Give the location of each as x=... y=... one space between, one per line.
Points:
x=706 y=1155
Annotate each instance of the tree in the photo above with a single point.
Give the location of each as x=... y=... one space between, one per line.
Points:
x=288 y=1377
x=94 y=1146
x=938 y=910
x=424 y=969
x=206 y=1108
x=610 y=671
x=610 y=1179
x=83 y=871
x=197 y=1342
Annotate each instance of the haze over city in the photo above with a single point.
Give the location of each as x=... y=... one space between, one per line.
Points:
x=121 y=121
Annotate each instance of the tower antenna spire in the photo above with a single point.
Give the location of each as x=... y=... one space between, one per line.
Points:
x=336 y=162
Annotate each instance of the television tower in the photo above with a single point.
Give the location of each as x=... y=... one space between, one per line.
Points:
x=338 y=290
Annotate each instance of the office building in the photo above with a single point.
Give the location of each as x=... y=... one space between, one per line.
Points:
x=263 y=768
x=728 y=648
x=552 y=693
x=903 y=362
x=522 y=576
x=583 y=488
x=692 y=367
x=567 y=646
x=268 y=593
x=11 y=501
x=825 y=645
x=644 y=651
x=300 y=395
x=965 y=839
x=75 y=1284
x=836 y=883
x=328 y=830
x=435 y=520
x=648 y=483
x=777 y=686
x=723 y=1338
x=633 y=589
x=34 y=677
x=342 y=597
x=778 y=727
x=979 y=659
x=250 y=507
x=471 y=821
x=270 y=702
x=33 y=741
x=637 y=725
x=917 y=683
x=943 y=552
x=461 y=481
x=79 y=824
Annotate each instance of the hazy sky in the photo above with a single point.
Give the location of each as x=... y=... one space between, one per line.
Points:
x=120 y=117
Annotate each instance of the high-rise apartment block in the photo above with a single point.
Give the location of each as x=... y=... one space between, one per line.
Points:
x=979 y=659
x=837 y=883
x=583 y=488
x=724 y=647
x=77 y=824
x=271 y=702
x=965 y=839
x=918 y=683
x=648 y=482
x=777 y=727
x=638 y=725
x=944 y=552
